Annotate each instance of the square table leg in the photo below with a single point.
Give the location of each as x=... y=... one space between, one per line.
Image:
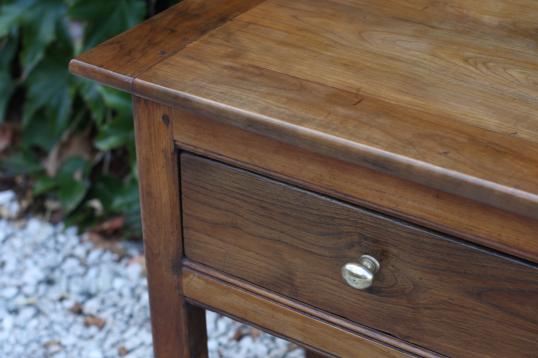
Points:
x=179 y=329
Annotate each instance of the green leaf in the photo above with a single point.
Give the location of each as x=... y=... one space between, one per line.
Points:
x=7 y=84
x=119 y=197
x=8 y=46
x=127 y=202
x=41 y=133
x=127 y=197
x=7 y=87
x=73 y=167
x=115 y=134
x=20 y=163
x=119 y=131
x=43 y=184
x=133 y=223
x=69 y=185
x=103 y=100
x=38 y=21
x=37 y=39
x=119 y=101
x=70 y=194
x=39 y=30
x=105 y=18
x=11 y=14
x=93 y=98
x=106 y=188
x=50 y=92
x=82 y=218
x=72 y=183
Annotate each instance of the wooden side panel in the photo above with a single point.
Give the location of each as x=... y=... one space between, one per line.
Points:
x=119 y=60
x=432 y=291
x=464 y=218
x=279 y=318
x=178 y=328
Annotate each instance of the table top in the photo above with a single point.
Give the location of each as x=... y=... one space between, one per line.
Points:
x=443 y=93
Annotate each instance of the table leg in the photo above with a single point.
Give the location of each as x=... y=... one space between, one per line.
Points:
x=179 y=329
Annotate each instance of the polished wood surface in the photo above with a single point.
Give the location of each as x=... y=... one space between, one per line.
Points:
x=118 y=61
x=439 y=93
x=278 y=318
x=178 y=328
x=433 y=291
x=464 y=218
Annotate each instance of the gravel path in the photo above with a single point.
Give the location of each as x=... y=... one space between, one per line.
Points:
x=63 y=296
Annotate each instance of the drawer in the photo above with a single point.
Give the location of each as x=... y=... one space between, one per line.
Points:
x=431 y=290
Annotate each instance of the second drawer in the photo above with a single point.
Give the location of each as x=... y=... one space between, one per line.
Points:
x=431 y=290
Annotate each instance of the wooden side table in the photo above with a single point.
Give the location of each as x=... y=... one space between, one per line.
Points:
x=360 y=177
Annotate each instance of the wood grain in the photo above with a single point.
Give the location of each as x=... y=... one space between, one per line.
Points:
x=279 y=319
x=447 y=95
x=410 y=95
x=178 y=328
x=312 y=311
x=432 y=291
x=119 y=60
x=461 y=217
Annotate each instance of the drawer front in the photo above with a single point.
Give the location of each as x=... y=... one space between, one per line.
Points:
x=431 y=290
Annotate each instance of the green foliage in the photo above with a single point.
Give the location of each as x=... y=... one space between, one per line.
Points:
x=119 y=15
x=76 y=141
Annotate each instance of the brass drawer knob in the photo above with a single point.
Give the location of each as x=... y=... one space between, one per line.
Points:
x=360 y=275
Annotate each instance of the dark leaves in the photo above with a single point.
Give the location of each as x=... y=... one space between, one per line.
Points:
x=8 y=47
x=76 y=143
x=105 y=18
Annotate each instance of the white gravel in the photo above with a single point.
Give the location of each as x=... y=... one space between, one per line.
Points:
x=62 y=296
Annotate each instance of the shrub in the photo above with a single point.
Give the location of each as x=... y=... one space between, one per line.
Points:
x=70 y=141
